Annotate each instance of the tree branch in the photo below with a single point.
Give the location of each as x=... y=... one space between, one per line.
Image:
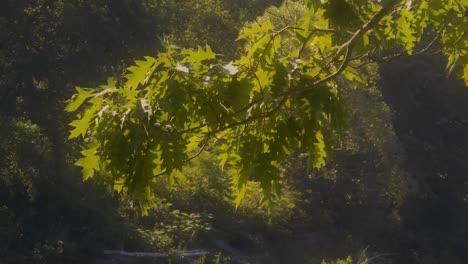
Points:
x=348 y=46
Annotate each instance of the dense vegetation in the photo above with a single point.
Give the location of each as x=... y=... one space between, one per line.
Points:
x=340 y=130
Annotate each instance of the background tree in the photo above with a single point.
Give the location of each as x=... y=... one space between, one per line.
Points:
x=47 y=46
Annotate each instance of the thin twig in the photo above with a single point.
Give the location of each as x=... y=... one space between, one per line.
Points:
x=401 y=54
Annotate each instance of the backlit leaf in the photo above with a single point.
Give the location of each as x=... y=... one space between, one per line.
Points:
x=78 y=99
x=140 y=72
x=89 y=162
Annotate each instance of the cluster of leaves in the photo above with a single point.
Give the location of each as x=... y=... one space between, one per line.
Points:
x=186 y=102
x=47 y=251
x=275 y=99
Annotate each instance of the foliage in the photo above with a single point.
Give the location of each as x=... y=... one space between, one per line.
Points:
x=174 y=229
x=217 y=259
x=348 y=260
x=47 y=251
x=363 y=256
x=259 y=107
x=400 y=189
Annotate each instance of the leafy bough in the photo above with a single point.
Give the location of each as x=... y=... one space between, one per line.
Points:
x=282 y=95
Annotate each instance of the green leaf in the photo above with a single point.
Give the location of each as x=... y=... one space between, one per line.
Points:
x=256 y=28
x=223 y=157
x=320 y=151
x=406 y=31
x=89 y=162
x=259 y=44
x=353 y=75
x=81 y=125
x=131 y=97
x=194 y=143
x=78 y=99
x=199 y=55
x=140 y=72
x=304 y=23
x=240 y=195
x=111 y=84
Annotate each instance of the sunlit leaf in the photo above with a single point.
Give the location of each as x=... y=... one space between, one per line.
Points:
x=81 y=125
x=140 y=72
x=78 y=99
x=89 y=162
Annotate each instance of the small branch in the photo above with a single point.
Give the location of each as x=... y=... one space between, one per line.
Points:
x=276 y=33
x=343 y=65
x=348 y=46
x=428 y=46
x=371 y=23
x=199 y=151
x=253 y=118
x=401 y=54
x=234 y=136
x=320 y=30
x=159 y=174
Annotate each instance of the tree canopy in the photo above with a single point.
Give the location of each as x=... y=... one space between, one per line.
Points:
x=281 y=96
